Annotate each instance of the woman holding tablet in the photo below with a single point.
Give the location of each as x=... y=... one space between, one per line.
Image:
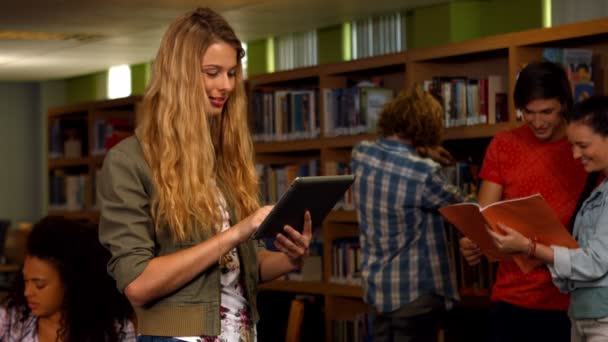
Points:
x=179 y=199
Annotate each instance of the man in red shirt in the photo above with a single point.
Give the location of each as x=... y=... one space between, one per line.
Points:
x=534 y=158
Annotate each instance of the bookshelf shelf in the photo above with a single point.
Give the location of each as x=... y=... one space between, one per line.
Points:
x=68 y=162
x=343 y=216
x=83 y=215
x=477 y=131
x=75 y=177
x=308 y=287
x=342 y=290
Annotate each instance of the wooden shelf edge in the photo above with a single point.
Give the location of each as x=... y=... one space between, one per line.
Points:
x=343 y=290
x=346 y=216
x=94 y=105
x=308 y=287
x=285 y=75
x=477 y=131
x=90 y=215
x=341 y=141
x=9 y=268
x=54 y=163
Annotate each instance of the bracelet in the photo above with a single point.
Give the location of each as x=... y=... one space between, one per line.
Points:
x=532 y=248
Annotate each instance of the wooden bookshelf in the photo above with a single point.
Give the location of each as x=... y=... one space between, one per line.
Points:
x=82 y=119
x=502 y=55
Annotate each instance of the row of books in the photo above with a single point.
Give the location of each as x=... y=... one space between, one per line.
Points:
x=464 y=175
x=67 y=138
x=275 y=178
x=341 y=168
x=346 y=261
x=353 y=110
x=67 y=191
x=284 y=115
x=109 y=132
x=471 y=101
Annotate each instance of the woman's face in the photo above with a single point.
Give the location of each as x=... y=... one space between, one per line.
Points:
x=44 y=288
x=588 y=146
x=219 y=76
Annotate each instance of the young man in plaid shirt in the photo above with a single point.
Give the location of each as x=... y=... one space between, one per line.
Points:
x=407 y=275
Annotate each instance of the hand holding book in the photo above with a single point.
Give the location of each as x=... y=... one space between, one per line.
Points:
x=531 y=217
x=510 y=241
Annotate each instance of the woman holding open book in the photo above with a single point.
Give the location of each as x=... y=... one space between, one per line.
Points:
x=582 y=272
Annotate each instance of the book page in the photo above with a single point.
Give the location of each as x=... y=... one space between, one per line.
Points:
x=467 y=219
x=532 y=217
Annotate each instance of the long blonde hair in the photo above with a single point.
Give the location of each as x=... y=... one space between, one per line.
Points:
x=190 y=154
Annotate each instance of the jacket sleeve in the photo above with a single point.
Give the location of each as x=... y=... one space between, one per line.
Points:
x=126 y=228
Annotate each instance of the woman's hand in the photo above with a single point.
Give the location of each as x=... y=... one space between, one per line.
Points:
x=470 y=251
x=251 y=223
x=294 y=244
x=511 y=241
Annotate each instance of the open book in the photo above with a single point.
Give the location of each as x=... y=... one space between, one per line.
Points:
x=531 y=216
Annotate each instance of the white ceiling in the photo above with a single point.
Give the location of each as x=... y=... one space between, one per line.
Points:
x=129 y=31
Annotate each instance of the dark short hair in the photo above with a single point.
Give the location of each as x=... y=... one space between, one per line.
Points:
x=543 y=80
x=593 y=112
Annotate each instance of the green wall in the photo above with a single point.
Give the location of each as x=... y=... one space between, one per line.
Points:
x=461 y=20
x=333 y=43
x=21 y=193
x=260 y=59
x=428 y=26
x=140 y=76
x=86 y=88
x=511 y=16
x=453 y=21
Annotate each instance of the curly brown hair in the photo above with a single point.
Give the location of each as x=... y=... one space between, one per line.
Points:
x=414 y=115
x=93 y=310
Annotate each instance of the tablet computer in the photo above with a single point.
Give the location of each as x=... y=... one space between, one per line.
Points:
x=317 y=194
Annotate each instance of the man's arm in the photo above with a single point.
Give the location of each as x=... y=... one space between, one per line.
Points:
x=489 y=193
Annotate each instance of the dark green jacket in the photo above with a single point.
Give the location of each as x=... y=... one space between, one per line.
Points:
x=126 y=228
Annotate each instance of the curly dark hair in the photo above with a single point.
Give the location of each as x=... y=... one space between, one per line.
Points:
x=93 y=310
x=415 y=115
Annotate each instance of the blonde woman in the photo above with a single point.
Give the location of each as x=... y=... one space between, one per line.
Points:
x=179 y=199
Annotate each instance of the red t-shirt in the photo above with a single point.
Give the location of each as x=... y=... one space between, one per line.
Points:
x=524 y=165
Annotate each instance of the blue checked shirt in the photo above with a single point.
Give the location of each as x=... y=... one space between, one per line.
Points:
x=403 y=241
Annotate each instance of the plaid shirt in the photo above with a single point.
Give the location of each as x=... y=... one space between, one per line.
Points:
x=403 y=241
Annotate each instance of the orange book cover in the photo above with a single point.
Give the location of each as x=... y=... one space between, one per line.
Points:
x=531 y=216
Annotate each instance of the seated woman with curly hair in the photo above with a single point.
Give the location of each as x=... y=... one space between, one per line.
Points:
x=65 y=293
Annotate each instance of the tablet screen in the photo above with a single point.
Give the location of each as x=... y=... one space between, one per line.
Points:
x=317 y=194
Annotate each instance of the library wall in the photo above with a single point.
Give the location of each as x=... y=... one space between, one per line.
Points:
x=20 y=152
x=572 y=11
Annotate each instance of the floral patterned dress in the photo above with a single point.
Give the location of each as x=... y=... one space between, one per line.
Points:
x=236 y=324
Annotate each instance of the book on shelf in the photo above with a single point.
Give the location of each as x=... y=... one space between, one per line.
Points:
x=109 y=132
x=353 y=110
x=578 y=64
x=531 y=216
x=470 y=101
x=287 y=114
